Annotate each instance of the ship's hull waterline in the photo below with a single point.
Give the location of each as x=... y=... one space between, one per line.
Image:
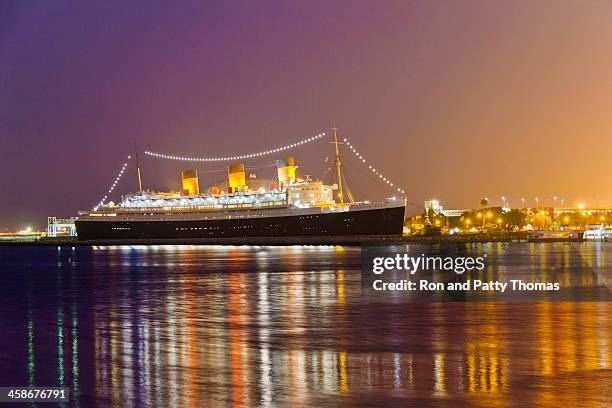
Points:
x=380 y=221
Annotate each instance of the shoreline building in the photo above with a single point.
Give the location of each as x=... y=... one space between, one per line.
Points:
x=61 y=227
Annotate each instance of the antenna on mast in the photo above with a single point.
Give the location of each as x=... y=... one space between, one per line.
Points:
x=138 y=168
x=338 y=164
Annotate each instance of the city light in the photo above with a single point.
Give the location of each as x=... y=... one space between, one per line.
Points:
x=237 y=157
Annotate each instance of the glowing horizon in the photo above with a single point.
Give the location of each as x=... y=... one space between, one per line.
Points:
x=457 y=101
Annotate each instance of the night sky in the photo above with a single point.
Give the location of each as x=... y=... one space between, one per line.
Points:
x=454 y=100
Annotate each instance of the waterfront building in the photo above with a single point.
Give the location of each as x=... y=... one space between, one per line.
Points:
x=61 y=227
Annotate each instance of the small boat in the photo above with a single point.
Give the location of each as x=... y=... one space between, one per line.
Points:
x=598 y=232
x=556 y=236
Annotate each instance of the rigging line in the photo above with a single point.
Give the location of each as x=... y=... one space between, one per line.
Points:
x=219 y=170
x=261 y=166
x=372 y=177
x=115 y=182
x=350 y=191
x=384 y=179
x=325 y=172
x=255 y=167
x=348 y=187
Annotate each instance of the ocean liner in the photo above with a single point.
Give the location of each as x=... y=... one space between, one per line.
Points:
x=244 y=206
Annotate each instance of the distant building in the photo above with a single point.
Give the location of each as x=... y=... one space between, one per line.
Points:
x=415 y=223
x=455 y=212
x=61 y=227
x=437 y=207
x=433 y=205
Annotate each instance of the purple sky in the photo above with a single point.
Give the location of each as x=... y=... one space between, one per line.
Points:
x=456 y=100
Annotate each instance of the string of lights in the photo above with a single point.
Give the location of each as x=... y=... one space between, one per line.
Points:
x=373 y=169
x=238 y=157
x=112 y=187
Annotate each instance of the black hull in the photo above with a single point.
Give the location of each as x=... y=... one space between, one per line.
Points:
x=387 y=221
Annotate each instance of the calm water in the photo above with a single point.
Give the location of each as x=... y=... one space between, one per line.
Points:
x=212 y=326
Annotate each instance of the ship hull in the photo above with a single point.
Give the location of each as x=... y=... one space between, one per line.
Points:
x=382 y=221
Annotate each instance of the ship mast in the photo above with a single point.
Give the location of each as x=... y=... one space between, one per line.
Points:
x=138 y=170
x=338 y=166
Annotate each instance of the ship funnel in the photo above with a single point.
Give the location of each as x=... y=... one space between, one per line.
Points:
x=190 y=182
x=286 y=171
x=236 y=176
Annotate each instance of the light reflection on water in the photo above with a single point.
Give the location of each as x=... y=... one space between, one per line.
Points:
x=247 y=325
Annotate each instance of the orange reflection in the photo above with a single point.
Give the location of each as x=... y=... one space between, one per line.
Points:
x=236 y=316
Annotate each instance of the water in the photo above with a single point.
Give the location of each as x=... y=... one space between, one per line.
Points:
x=267 y=326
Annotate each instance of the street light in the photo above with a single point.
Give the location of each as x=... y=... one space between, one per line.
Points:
x=484 y=202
